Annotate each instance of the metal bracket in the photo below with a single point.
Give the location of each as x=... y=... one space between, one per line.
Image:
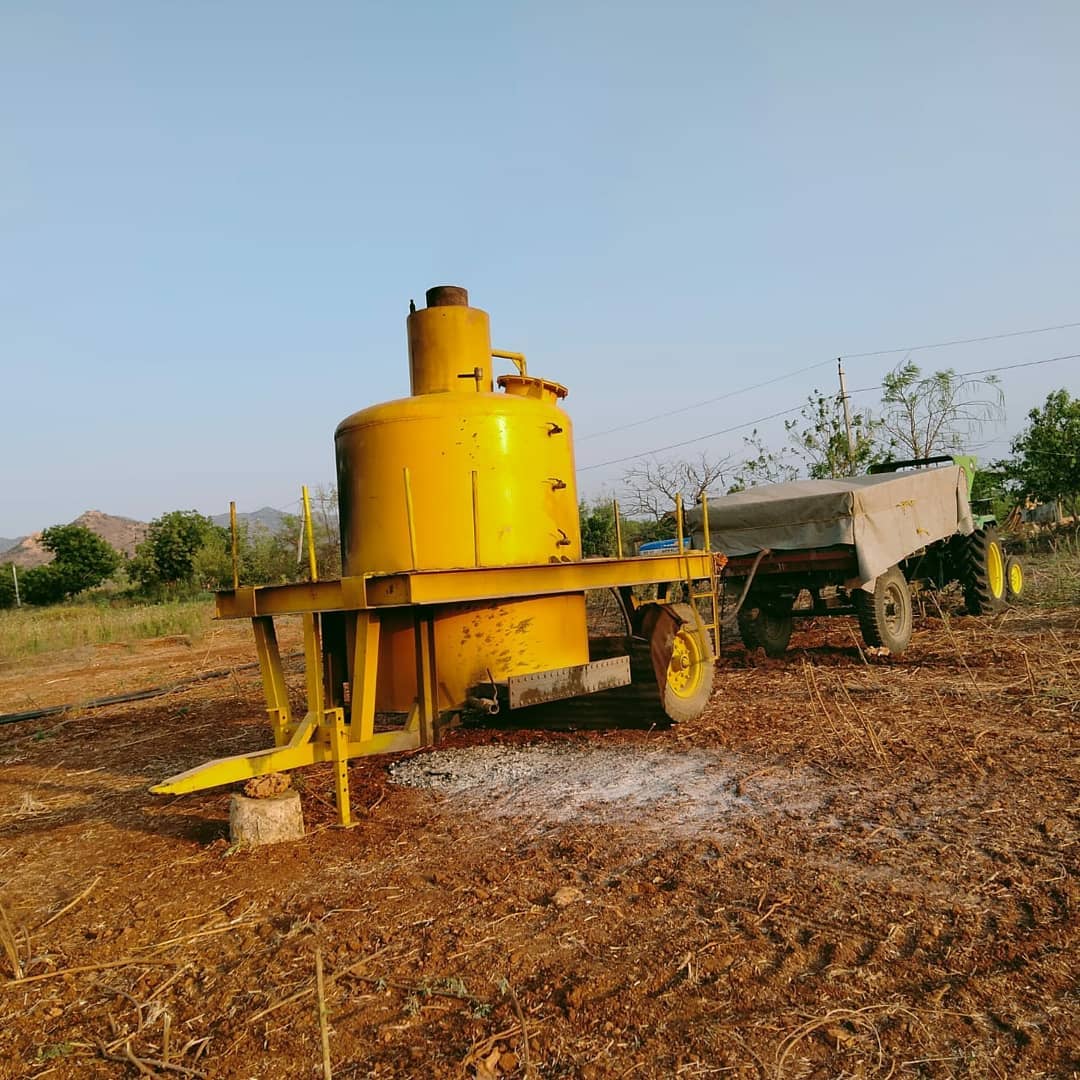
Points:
x=568 y=682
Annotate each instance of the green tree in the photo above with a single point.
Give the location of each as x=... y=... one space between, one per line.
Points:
x=167 y=557
x=7 y=587
x=597 y=529
x=927 y=415
x=816 y=446
x=81 y=560
x=1046 y=462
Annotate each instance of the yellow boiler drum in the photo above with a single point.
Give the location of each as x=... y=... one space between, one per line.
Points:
x=460 y=475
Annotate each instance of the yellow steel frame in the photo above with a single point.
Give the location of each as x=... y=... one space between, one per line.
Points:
x=325 y=733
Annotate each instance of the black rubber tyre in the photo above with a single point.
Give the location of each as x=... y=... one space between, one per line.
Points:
x=982 y=572
x=767 y=627
x=690 y=672
x=885 y=615
x=1014 y=578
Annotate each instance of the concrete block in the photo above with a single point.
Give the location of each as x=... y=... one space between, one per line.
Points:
x=254 y=822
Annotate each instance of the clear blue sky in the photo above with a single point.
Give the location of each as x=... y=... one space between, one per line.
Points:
x=213 y=217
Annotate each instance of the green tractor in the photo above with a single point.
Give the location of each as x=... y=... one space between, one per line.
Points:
x=978 y=561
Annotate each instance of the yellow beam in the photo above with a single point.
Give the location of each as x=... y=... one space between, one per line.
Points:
x=461 y=586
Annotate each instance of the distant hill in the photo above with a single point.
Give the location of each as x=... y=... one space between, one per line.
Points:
x=119 y=532
x=267 y=518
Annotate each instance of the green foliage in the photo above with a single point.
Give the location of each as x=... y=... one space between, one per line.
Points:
x=81 y=560
x=174 y=541
x=265 y=558
x=926 y=415
x=817 y=446
x=1046 y=461
x=638 y=531
x=43 y=585
x=7 y=587
x=989 y=494
x=597 y=529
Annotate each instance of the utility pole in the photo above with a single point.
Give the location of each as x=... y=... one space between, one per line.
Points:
x=847 y=416
x=18 y=602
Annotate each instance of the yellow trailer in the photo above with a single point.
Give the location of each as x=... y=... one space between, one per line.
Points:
x=463 y=584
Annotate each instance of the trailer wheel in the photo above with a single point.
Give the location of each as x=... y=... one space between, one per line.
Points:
x=768 y=626
x=688 y=681
x=982 y=572
x=885 y=615
x=1014 y=578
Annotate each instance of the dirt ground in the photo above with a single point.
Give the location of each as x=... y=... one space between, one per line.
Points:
x=850 y=866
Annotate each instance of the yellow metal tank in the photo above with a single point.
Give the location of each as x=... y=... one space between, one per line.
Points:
x=461 y=475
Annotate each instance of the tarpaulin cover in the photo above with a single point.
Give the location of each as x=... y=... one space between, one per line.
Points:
x=885 y=518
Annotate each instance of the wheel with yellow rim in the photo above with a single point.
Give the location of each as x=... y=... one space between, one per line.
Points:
x=1014 y=578
x=690 y=671
x=982 y=572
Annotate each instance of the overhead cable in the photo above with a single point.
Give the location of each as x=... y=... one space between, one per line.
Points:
x=798 y=408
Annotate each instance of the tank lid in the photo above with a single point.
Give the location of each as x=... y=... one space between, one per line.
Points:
x=447 y=296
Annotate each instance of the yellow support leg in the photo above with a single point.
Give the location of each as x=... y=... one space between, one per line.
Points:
x=365 y=670
x=339 y=751
x=313 y=668
x=273 y=677
x=427 y=687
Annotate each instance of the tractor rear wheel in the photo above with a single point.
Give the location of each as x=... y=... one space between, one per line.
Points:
x=1014 y=578
x=982 y=572
x=768 y=626
x=885 y=615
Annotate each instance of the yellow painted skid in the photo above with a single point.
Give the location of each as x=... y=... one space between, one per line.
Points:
x=229 y=770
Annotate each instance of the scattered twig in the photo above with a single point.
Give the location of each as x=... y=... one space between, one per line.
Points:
x=856 y=1017
x=147 y=1065
x=519 y=1013
x=324 y=1030
x=331 y=979
x=67 y=907
x=236 y=924
x=956 y=646
x=952 y=731
x=130 y=961
x=10 y=945
x=872 y=735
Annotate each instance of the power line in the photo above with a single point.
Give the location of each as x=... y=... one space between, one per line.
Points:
x=988 y=370
x=822 y=363
x=797 y=408
x=960 y=341
x=688 y=442
x=702 y=404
